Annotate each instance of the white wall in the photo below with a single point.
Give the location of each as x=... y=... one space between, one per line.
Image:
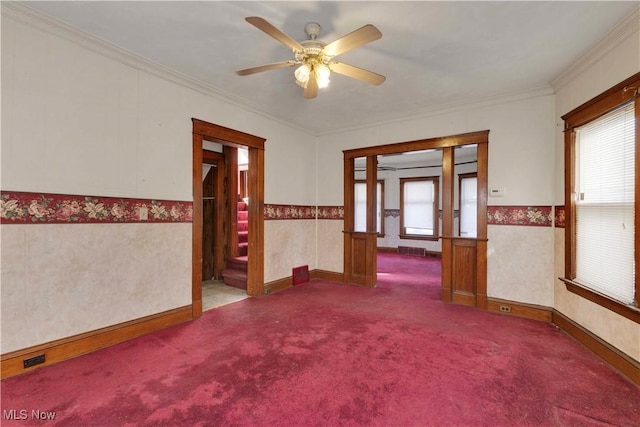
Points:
x=616 y=58
x=80 y=118
x=521 y=153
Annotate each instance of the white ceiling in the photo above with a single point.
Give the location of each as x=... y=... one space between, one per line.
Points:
x=433 y=54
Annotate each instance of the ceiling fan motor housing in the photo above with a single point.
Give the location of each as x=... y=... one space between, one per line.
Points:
x=313 y=30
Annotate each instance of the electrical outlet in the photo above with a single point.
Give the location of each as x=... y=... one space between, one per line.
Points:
x=33 y=361
x=505 y=309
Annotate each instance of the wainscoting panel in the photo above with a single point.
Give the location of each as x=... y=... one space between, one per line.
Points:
x=463 y=278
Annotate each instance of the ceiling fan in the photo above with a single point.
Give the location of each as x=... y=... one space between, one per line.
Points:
x=315 y=59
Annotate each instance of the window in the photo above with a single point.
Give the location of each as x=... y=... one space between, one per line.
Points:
x=601 y=142
x=419 y=208
x=468 y=203
x=360 y=207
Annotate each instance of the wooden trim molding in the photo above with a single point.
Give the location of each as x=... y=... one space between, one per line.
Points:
x=387 y=250
x=331 y=276
x=287 y=282
x=420 y=144
x=631 y=313
x=278 y=285
x=202 y=131
x=620 y=94
x=77 y=345
x=614 y=357
x=529 y=311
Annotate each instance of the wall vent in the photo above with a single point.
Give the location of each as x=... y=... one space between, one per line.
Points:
x=408 y=250
x=300 y=275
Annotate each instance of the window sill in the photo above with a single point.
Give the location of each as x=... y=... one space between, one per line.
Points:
x=416 y=237
x=628 y=311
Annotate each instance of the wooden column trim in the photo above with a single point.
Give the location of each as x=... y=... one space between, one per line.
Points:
x=349 y=182
x=448 y=161
x=255 y=251
x=196 y=229
x=372 y=209
x=481 y=230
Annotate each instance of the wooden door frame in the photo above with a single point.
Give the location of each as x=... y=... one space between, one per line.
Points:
x=447 y=144
x=204 y=131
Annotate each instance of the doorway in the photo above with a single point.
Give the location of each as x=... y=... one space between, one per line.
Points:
x=228 y=138
x=463 y=257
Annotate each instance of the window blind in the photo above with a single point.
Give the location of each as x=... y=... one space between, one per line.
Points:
x=360 y=207
x=468 y=206
x=418 y=207
x=604 y=204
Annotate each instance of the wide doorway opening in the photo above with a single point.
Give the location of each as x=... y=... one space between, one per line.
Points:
x=425 y=198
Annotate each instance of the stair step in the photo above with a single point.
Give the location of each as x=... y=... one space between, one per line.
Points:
x=243 y=236
x=239 y=263
x=242 y=206
x=243 y=249
x=243 y=216
x=243 y=225
x=235 y=278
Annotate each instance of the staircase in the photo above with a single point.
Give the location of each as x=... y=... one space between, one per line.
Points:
x=236 y=272
x=243 y=229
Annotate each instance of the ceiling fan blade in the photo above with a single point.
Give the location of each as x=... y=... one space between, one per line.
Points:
x=263 y=25
x=356 y=38
x=311 y=90
x=266 y=67
x=357 y=73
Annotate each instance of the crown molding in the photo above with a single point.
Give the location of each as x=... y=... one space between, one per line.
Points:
x=464 y=105
x=22 y=13
x=625 y=29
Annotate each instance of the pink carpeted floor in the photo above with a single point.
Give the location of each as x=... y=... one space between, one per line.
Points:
x=326 y=354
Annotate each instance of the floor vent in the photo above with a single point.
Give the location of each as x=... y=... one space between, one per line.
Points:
x=408 y=250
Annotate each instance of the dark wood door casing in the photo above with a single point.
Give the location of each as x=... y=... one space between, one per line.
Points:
x=204 y=131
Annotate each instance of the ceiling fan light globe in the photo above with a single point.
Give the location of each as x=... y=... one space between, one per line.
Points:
x=322 y=75
x=302 y=74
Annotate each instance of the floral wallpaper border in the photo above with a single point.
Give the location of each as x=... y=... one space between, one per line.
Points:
x=520 y=215
x=330 y=212
x=277 y=212
x=272 y=212
x=38 y=208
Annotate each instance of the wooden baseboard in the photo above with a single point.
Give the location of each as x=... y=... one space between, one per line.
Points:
x=332 y=276
x=614 y=357
x=530 y=311
x=287 y=282
x=77 y=345
x=387 y=250
x=278 y=285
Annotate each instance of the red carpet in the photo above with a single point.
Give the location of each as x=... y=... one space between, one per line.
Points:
x=325 y=354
